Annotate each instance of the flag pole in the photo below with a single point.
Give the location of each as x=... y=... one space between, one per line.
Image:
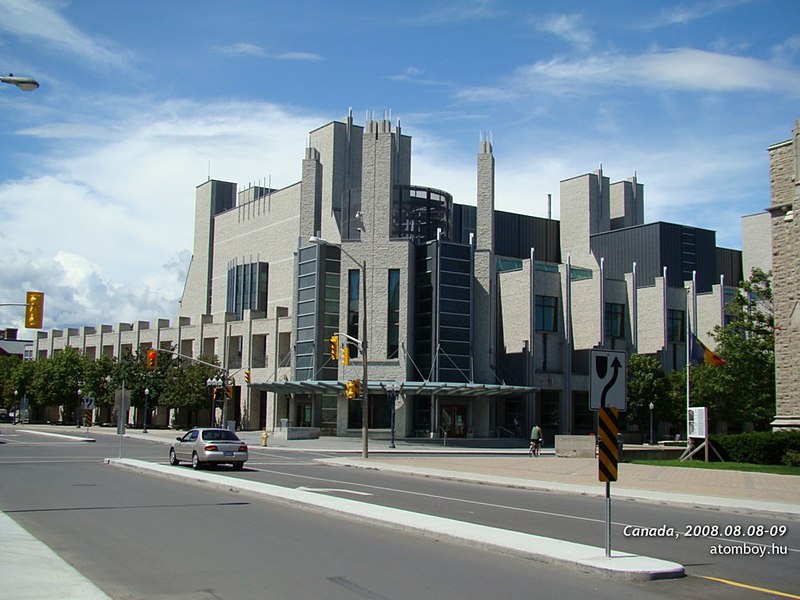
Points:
x=688 y=366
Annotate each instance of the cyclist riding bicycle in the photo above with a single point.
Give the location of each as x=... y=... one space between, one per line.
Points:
x=536 y=441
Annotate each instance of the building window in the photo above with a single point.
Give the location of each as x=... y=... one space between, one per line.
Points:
x=676 y=326
x=353 y=299
x=546 y=313
x=247 y=288
x=615 y=320
x=393 y=316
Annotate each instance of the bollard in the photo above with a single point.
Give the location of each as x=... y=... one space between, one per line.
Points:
x=264 y=438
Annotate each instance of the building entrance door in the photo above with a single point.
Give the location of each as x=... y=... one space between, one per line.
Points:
x=304 y=413
x=453 y=419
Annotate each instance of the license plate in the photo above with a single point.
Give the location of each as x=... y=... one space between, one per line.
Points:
x=227 y=453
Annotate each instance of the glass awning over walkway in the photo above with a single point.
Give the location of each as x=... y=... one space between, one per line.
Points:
x=418 y=388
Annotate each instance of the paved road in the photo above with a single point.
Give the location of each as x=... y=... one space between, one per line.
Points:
x=261 y=455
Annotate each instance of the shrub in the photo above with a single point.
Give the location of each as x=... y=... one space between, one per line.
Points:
x=757 y=447
x=791 y=458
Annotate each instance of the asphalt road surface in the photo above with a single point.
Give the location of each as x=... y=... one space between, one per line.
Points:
x=143 y=537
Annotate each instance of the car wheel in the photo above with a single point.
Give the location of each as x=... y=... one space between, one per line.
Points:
x=196 y=464
x=238 y=466
x=173 y=460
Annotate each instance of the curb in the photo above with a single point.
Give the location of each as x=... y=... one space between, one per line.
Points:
x=772 y=508
x=620 y=565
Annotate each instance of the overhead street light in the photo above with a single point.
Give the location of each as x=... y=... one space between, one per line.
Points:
x=364 y=385
x=26 y=84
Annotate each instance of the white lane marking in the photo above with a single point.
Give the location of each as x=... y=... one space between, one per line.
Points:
x=303 y=488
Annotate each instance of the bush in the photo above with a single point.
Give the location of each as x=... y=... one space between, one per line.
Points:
x=758 y=447
x=791 y=458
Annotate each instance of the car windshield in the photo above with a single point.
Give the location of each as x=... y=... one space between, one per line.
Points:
x=220 y=435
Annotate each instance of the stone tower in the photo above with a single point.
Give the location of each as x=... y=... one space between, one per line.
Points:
x=784 y=171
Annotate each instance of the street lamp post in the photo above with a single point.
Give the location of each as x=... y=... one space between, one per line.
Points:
x=393 y=400
x=213 y=383
x=146 y=396
x=26 y=84
x=652 y=406
x=78 y=411
x=364 y=385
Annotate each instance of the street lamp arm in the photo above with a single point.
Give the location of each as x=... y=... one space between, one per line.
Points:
x=315 y=239
x=26 y=84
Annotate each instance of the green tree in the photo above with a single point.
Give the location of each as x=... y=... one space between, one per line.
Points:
x=98 y=380
x=646 y=383
x=56 y=381
x=8 y=367
x=744 y=387
x=186 y=383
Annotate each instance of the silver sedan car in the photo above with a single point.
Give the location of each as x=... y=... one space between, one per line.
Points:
x=202 y=446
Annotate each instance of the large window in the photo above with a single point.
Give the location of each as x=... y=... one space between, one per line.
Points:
x=247 y=288
x=615 y=320
x=676 y=326
x=353 y=299
x=393 y=315
x=546 y=313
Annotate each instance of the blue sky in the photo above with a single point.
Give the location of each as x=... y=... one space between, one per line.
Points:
x=141 y=99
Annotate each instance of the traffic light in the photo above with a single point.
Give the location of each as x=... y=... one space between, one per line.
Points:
x=229 y=392
x=152 y=359
x=349 y=390
x=334 y=347
x=346 y=355
x=34 y=310
x=356 y=388
x=247 y=377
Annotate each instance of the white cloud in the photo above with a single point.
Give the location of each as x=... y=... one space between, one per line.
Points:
x=458 y=11
x=682 y=14
x=240 y=49
x=247 y=49
x=109 y=221
x=568 y=27
x=680 y=69
x=27 y=19
x=298 y=56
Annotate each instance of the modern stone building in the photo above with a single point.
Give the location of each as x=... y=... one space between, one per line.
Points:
x=784 y=161
x=482 y=321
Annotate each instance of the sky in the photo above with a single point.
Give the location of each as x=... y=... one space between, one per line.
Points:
x=143 y=100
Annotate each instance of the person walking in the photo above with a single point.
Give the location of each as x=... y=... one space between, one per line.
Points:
x=536 y=441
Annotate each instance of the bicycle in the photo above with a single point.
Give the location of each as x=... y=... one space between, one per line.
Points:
x=535 y=447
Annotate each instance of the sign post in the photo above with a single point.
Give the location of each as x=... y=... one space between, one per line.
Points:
x=608 y=394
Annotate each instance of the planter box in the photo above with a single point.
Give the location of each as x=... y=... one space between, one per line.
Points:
x=296 y=433
x=575 y=446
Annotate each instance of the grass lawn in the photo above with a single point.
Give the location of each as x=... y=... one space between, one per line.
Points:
x=726 y=466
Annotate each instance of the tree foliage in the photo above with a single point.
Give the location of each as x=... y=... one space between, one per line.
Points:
x=646 y=383
x=177 y=382
x=743 y=389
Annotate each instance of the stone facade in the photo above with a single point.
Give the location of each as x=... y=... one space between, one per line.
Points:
x=344 y=218
x=785 y=199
